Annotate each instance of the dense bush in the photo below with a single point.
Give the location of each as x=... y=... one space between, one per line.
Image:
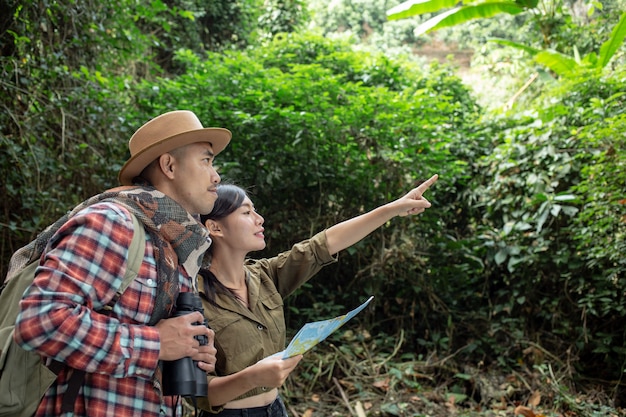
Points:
x=68 y=72
x=550 y=224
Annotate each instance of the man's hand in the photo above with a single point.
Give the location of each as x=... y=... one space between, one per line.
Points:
x=206 y=356
x=178 y=336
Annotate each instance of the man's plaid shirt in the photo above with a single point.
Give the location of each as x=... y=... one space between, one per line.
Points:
x=81 y=270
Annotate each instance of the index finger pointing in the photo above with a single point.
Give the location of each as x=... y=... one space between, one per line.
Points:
x=426 y=184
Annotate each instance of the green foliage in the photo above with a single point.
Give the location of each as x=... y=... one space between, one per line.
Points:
x=372 y=126
x=567 y=66
x=610 y=47
x=413 y=8
x=65 y=71
x=453 y=14
x=223 y=24
x=564 y=37
x=522 y=247
x=282 y=16
x=358 y=17
x=600 y=228
x=461 y=15
x=364 y=24
x=547 y=212
x=68 y=72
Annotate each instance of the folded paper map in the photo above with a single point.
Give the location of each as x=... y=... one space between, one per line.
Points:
x=312 y=333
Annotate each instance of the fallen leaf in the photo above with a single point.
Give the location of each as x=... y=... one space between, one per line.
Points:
x=347 y=384
x=382 y=384
x=525 y=411
x=535 y=399
x=451 y=403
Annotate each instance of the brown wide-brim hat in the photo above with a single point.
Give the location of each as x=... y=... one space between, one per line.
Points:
x=165 y=133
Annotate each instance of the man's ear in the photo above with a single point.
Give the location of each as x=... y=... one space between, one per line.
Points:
x=166 y=164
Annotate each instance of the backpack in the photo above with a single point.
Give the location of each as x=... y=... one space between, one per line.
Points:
x=24 y=377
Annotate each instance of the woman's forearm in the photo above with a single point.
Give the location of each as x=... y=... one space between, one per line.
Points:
x=347 y=233
x=226 y=388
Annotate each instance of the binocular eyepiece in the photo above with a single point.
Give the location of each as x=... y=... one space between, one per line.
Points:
x=182 y=376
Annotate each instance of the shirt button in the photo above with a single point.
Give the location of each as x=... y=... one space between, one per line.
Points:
x=264 y=388
x=259 y=326
x=150 y=282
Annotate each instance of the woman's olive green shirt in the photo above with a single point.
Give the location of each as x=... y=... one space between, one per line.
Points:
x=245 y=336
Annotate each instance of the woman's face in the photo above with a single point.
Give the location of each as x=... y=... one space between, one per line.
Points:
x=243 y=228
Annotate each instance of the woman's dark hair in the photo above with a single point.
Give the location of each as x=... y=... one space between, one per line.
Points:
x=229 y=198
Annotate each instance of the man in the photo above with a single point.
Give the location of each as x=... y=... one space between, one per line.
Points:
x=168 y=182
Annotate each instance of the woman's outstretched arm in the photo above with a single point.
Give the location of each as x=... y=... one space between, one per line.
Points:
x=347 y=233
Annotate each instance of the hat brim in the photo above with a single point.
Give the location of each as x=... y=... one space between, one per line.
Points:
x=216 y=136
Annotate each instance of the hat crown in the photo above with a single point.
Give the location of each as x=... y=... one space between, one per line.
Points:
x=163 y=127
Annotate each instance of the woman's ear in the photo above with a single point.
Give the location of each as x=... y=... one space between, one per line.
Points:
x=213 y=226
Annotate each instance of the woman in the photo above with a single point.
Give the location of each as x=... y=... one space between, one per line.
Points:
x=243 y=298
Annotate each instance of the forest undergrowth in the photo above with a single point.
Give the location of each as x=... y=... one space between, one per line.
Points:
x=351 y=379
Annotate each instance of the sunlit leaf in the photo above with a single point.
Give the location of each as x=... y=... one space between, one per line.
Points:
x=557 y=62
x=570 y=210
x=463 y=14
x=555 y=210
x=501 y=256
x=591 y=59
x=531 y=4
x=544 y=211
x=565 y=197
x=532 y=51
x=417 y=7
x=608 y=48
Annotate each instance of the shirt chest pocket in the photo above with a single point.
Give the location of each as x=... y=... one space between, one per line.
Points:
x=137 y=302
x=273 y=314
x=239 y=340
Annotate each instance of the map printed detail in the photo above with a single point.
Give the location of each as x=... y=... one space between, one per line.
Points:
x=313 y=333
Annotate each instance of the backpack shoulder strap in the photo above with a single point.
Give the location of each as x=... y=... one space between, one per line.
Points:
x=135 y=259
x=23 y=373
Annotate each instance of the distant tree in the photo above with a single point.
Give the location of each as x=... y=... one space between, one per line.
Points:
x=548 y=17
x=282 y=16
x=564 y=65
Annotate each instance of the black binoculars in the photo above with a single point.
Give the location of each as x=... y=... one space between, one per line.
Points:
x=182 y=376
